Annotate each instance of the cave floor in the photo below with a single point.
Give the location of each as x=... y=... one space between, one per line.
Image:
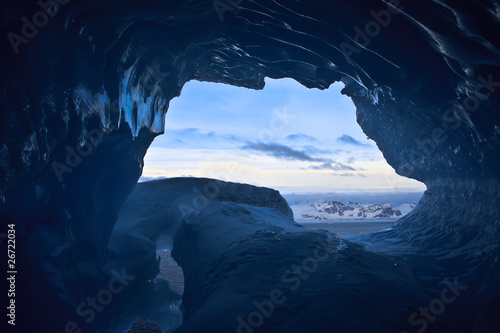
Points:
x=350 y=229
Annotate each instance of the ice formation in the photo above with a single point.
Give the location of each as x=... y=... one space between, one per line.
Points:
x=85 y=88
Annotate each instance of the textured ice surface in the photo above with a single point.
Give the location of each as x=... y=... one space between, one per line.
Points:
x=85 y=88
x=157 y=211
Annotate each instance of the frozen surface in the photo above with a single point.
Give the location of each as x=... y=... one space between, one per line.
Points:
x=246 y=262
x=85 y=88
x=241 y=252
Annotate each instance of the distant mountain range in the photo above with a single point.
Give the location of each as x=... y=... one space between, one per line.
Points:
x=310 y=208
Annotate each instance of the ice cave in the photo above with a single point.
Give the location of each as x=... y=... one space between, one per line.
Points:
x=85 y=89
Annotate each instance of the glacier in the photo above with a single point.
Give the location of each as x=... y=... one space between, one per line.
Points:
x=85 y=89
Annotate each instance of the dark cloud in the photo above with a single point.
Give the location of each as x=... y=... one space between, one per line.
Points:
x=347 y=139
x=281 y=151
x=332 y=165
x=301 y=136
x=284 y=152
x=350 y=175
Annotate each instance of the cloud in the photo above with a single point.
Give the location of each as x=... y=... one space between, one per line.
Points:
x=284 y=152
x=350 y=175
x=194 y=138
x=313 y=150
x=301 y=136
x=195 y=133
x=331 y=165
x=179 y=141
x=347 y=139
x=281 y=151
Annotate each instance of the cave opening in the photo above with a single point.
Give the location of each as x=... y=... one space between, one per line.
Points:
x=287 y=137
x=428 y=76
x=309 y=135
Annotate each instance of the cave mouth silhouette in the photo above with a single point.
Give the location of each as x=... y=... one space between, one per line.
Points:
x=425 y=86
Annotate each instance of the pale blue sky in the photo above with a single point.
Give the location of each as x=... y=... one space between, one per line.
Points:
x=286 y=137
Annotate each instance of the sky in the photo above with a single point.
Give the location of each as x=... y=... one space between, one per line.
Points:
x=286 y=137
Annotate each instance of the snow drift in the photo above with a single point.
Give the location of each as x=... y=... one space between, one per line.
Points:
x=86 y=85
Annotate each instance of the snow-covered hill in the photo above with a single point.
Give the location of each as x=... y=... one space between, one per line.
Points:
x=328 y=207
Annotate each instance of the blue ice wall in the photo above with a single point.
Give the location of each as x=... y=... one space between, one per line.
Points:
x=86 y=85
